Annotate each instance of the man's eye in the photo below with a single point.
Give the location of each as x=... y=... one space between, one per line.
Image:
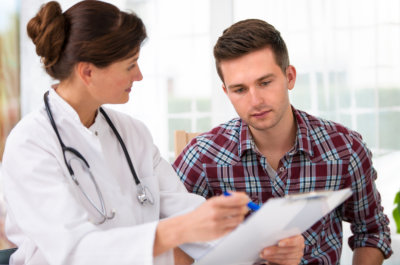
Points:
x=265 y=83
x=131 y=66
x=239 y=90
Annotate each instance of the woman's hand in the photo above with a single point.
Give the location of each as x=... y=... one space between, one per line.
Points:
x=216 y=217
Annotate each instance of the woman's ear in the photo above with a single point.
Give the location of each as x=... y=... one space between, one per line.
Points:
x=84 y=72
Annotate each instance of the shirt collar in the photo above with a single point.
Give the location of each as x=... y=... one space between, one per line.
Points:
x=246 y=141
x=302 y=143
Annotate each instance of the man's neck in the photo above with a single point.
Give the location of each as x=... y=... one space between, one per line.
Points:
x=275 y=142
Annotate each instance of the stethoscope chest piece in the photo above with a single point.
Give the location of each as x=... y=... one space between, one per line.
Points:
x=144 y=194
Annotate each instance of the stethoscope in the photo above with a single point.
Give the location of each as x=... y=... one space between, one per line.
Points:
x=144 y=195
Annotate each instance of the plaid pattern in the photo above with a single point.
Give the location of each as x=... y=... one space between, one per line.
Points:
x=326 y=156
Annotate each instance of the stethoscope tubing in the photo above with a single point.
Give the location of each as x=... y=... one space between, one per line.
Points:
x=121 y=142
x=141 y=189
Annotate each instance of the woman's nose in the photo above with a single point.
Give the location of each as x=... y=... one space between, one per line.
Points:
x=138 y=75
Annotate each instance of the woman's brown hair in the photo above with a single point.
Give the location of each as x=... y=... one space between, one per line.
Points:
x=90 y=31
x=248 y=36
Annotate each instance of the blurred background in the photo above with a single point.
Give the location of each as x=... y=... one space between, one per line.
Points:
x=346 y=52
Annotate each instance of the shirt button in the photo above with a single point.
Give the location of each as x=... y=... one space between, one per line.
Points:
x=96 y=133
x=281 y=169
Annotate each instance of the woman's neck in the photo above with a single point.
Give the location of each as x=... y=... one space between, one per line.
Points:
x=80 y=100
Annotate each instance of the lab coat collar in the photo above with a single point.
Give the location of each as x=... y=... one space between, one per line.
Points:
x=68 y=111
x=57 y=102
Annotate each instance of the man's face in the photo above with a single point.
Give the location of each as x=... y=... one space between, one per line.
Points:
x=258 y=89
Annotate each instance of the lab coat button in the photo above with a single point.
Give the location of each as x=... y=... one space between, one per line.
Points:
x=96 y=133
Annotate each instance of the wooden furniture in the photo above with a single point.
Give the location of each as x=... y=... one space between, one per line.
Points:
x=181 y=139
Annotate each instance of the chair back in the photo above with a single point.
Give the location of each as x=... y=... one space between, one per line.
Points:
x=181 y=139
x=5 y=255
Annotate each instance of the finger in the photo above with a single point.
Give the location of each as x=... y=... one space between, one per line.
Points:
x=226 y=207
x=291 y=255
x=233 y=221
x=227 y=226
x=276 y=252
x=297 y=240
x=282 y=259
x=233 y=200
x=223 y=213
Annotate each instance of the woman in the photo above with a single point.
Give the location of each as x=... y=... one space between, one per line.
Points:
x=85 y=184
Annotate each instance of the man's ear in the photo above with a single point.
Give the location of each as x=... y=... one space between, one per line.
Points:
x=291 y=76
x=84 y=71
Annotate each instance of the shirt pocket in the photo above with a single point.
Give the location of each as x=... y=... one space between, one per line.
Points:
x=324 y=238
x=222 y=178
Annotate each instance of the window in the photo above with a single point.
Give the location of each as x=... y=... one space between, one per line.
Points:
x=176 y=64
x=347 y=61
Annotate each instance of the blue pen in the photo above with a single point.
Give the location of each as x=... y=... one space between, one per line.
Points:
x=251 y=204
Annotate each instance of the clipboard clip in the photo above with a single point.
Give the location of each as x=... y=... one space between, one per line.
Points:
x=313 y=195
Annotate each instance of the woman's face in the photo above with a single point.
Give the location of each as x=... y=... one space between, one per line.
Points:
x=112 y=84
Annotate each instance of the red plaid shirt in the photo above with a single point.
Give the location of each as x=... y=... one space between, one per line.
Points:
x=326 y=156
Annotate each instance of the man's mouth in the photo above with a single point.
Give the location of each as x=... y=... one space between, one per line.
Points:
x=260 y=114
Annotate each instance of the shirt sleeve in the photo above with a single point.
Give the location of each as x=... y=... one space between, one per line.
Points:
x=364 y=211
x=190 y=170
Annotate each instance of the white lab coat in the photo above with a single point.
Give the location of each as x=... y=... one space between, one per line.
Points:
x=48 y=218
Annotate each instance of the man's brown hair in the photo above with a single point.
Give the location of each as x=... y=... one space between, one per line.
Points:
x=248 y=36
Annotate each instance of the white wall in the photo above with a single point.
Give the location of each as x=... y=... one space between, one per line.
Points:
x=148 y=97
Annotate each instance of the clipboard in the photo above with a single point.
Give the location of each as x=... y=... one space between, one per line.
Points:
x=277 y=219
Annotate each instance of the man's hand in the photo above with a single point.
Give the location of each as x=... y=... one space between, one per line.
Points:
x=289 y=251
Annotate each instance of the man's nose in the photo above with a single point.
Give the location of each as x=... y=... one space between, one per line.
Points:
x=255 y=96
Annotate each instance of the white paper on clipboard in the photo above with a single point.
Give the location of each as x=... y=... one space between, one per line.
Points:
x=277 y=219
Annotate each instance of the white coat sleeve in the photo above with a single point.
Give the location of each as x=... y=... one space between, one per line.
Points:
x=175 y=199
x=43 y=210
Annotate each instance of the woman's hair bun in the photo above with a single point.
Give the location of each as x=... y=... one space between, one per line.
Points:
x=47 y=31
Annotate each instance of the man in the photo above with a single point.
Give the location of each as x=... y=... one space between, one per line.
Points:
x=274 y=149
